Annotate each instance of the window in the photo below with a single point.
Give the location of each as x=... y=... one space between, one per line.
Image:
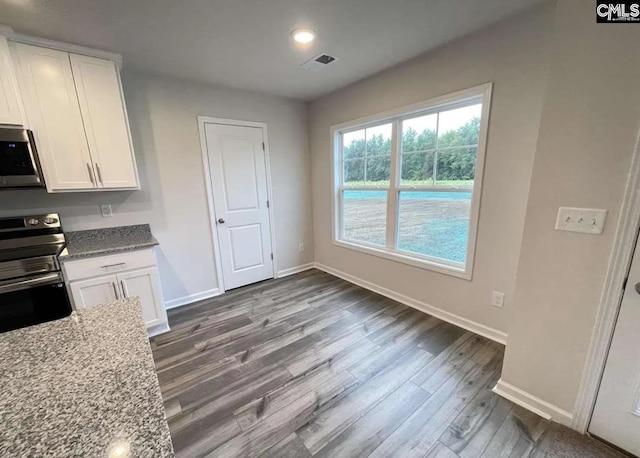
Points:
x=407 y=182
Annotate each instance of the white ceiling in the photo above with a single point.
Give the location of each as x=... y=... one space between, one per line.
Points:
x=246 y=44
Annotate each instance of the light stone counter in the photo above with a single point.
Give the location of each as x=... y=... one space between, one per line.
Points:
x=84 y=385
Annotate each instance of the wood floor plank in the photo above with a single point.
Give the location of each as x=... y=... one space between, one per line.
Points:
x=416 y=436
x=472 y=430
x=289 y=447
x=363 y=436
x=328 y=349
x=440 y=337
x=326 y=426
x=457 y=353
x=439 y=450
x=480 y=354
x=201 y=439
x=323 y=382
x=217 y=403
x=517 y=436
x=378 y=361
x=289 y=337
x=270 y=431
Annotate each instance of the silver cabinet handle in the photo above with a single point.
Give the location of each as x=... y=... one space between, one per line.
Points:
x=114 y=265
x=99 y=173
x=115 y=290
x=93 y=181
x=124 y=291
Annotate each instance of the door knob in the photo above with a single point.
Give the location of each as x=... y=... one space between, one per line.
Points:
x=221 y=220
x=637 y=287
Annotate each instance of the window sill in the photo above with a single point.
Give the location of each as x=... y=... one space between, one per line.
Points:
x=459 y=272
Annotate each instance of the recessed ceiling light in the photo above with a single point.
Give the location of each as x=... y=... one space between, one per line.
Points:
x=303 y=35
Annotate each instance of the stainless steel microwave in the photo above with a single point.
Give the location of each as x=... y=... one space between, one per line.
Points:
x=19 y=163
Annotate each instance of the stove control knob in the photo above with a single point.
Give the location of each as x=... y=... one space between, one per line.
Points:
x=33 y=222
x=50 y=220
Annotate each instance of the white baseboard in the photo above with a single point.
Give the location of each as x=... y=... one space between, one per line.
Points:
x=469 y=325
x=534 y=404
x=173 y=303
x=295 y=270
x=160 y=329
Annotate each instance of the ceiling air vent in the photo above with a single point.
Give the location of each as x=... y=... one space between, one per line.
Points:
x=318 y=62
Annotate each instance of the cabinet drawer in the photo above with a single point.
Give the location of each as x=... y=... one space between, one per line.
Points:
x=76 y=269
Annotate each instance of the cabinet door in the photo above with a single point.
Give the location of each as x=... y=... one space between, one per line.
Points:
x=101 y=290
x=105 y=121
x=53 y=113
x=144 y=283
x=10 y=101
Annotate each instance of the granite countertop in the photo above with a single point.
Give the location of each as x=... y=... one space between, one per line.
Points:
x=82 y=386
x=94 y=242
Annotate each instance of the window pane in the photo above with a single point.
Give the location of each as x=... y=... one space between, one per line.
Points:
x=353 y=144
x=419 y=134
x=365 y=216
x=456 y=167
x=417 y=169
x=434 y=224
x=378 y=170
x=354 y=172
x=459 y=127
x=379 y=140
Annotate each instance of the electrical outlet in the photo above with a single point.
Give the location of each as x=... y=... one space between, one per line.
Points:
x=301 y=247
x=106 y=211
x=497 y=299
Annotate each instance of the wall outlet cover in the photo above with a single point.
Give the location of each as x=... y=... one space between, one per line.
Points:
x=106 y=211
x=497 y=299
x=301 y=247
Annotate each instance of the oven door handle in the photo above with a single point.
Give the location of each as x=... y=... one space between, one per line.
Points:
x=41 y=280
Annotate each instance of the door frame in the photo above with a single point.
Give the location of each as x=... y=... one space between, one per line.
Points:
x=611 y=300
x=202 y=121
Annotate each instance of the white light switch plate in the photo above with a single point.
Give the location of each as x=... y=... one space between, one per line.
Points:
x=584 y=220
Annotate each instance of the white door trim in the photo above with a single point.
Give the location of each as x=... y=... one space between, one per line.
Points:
x=202 y=121
x=611 y=299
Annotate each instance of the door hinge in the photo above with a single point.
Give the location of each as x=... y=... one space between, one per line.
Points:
x=263 y=147
x=272 y=256
x=624 y=284
x=267 y=204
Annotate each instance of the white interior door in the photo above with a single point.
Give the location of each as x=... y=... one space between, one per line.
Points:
x=239 y=182
x=616 y=417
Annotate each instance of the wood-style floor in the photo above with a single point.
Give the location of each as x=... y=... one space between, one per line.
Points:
x=311 y=365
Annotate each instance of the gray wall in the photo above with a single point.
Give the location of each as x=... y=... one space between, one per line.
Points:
x=513 y=55
x=588 y=132
x=162 y=113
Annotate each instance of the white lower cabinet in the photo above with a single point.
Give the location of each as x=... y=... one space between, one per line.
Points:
x=87 y=293
x=144 y=284
x=131 y=280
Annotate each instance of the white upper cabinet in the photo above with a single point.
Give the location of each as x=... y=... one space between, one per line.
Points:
x=75 y=107
x=11 y=111
x=53 y=113
x=105 y=121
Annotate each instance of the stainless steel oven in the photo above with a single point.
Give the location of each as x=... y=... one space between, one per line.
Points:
x=19 y=163
x=32 y=289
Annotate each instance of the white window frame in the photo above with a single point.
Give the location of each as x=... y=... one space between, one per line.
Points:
x=481 y=93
